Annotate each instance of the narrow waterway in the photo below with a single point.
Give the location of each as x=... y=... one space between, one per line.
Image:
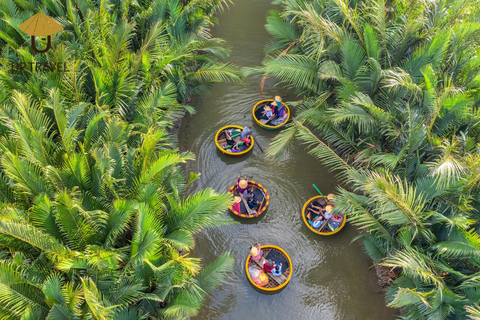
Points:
x=332 y=278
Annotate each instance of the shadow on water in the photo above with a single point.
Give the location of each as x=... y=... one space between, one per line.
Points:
x=332 y=278
x=248 y=220
x=232 y=159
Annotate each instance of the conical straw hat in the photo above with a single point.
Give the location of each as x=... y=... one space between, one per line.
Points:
x=40 y=25
x=237 y=199
x=243 y=184
x=330 y=196
x=278 y=98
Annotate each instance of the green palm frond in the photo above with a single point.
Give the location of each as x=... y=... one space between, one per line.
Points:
x=322 y=151
x=279 y=146
x=297 y=70
x=218 y=72
x=201 y=210
x=414 y=264
x=52 y=288
x=94 y=300
x=473 y=312
x=33 y=237
x=213 y=275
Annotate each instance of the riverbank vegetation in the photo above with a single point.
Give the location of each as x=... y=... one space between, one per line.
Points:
x=388 y=98
x=94 y=221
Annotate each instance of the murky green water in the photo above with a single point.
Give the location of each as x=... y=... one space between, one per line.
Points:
x=331 y=278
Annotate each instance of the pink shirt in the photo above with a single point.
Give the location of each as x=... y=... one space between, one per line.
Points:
x=236 y=207
x=259 y=255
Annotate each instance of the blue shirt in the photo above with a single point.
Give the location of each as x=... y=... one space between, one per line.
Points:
x=245 y=132
x=275 y=273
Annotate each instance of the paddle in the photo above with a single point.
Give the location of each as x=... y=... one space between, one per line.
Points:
x=258 y=145
x=321 y=193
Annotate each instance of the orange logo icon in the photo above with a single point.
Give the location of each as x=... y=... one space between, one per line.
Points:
x=40 y=25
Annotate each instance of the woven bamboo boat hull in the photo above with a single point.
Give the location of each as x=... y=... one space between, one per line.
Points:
x=261 y=195
x=256 y=113
x=220 y=142
x=274 y=283
x=321 y=231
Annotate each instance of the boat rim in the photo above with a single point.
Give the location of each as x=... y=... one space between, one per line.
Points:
x=265 y=206
x=266 y=125
x=280 y=286
x=230 y=153
x=311 y=228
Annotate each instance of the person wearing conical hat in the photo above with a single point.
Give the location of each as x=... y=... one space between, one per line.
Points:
x=256 y=251
x=279 y=107
x=267 y=113
x=328 y=212
x=242 y=185
x=236 y=206
x=278 y=101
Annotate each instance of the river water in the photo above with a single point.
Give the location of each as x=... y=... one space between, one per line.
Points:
x=332 y=278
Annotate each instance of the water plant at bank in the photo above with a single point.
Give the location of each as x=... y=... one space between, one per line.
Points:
x=95 y=221
x=388 y=95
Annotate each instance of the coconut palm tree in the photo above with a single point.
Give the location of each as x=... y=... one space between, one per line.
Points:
x=387 y=98
x=95 y=218
x=360 y=96
x=120 y=56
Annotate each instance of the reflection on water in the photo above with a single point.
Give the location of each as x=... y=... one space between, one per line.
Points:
x=331 y=278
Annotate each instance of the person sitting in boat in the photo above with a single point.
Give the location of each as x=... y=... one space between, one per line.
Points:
x=277 y=271
x=267 y=114
x=316 y=208
x=318 y=204
x=268 y=266
x=242 y=185
x=315 y=217
x=244 y=135
x=328 y=212
x=256 y=252
x=235 y=148
x=247 y=194
x=228 y=137
x=236 y=206
x=230 y=141
x=278 y=107
x=252 y=202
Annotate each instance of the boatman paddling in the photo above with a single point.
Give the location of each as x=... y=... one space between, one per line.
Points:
x=245 y=133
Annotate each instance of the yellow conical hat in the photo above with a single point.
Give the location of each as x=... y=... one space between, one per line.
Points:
x=243 y=184
x=40 y=25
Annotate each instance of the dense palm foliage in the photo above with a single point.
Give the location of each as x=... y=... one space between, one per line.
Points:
x=123 y=55
x=388 y=94
x=94 y=219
